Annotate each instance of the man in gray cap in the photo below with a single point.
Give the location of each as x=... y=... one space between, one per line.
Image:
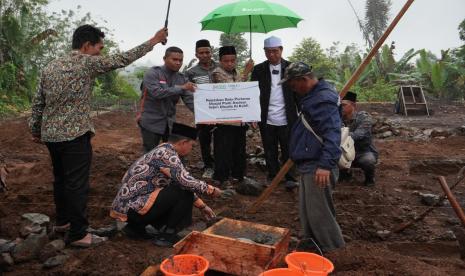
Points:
x=278 y=109
x=201 y=73
x=315 y=149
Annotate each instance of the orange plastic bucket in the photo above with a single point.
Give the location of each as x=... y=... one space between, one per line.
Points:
x=281 y=272
x=311 y=264
x=185 y=265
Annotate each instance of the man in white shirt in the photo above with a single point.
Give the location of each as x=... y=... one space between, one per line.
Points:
x=278 y=108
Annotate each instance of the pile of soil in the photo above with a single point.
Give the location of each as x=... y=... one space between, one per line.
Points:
x=366 y=215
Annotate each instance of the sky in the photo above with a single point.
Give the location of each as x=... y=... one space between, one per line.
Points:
x=429 y=24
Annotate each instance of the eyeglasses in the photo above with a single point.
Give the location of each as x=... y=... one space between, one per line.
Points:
x=272 y=51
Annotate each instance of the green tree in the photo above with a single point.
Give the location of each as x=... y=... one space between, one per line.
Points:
x=376 y=19
x=310 y=52
x=462 y=30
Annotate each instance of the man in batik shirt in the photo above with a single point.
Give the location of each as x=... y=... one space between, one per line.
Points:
x=157 y=190
x=61 y=119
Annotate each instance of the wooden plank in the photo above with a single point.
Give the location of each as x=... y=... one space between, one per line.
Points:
x=238 y=224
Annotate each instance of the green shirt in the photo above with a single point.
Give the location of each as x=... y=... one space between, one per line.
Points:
x=61 y=107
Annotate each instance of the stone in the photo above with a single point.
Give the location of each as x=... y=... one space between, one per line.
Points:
x=427 y=132
x=120 y=225
x=6 y=260
x=30 y=248
x=55 y=261
x=3 y=242
x=257 y=161
x=452 y=221
x=420 y=137
x=429 y=199
x=398 y=190
x=383 y=234
x=438 y=132
x=199 y=165
x=447 y=236
x=7 y=247
x=383 y=129
x=27 y=228
x=51 y=249
x=107 y=231
x=249 y=187
x=36 y=218
x=228 y=194
x=386 y=134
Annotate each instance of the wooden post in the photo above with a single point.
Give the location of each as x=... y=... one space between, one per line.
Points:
x=267 y=192
x=375 y=49
x=288 y=165
x=453 y=202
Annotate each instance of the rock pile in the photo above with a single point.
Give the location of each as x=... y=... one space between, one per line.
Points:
x=384 y=128
x=38 y=241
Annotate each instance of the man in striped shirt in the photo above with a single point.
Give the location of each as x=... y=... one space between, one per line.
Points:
x=201 y=73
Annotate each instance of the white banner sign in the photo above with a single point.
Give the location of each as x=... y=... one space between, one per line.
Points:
x=227 y=102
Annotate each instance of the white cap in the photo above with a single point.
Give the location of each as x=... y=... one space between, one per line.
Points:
x=272 y=42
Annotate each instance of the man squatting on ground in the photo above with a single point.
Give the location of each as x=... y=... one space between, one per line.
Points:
x=360 y=124
x=229 y=138
x=157 y=190
x=202 y=73
x=61 y=119
x=278 y=108
x=163 y=86
x=317 y=162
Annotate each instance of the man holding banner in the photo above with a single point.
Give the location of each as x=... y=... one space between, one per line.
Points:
x=201 y=73
x=230 y=138
x=163 y=86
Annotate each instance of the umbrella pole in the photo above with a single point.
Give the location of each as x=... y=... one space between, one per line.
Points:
x=250 y=31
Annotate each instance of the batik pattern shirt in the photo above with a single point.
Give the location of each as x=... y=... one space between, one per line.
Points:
x=61 y=107
x=144 y=180
x=219 y=75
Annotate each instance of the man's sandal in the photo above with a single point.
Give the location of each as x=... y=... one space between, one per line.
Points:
x=94 y=241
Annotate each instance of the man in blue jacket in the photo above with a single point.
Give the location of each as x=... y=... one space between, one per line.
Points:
x=317 y=161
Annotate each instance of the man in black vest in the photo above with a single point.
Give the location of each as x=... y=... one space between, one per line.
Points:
x=278 y=108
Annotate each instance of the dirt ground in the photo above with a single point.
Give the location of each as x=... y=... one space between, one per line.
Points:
x=426 y=248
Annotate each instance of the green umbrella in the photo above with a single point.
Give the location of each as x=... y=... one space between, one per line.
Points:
x=250 y=16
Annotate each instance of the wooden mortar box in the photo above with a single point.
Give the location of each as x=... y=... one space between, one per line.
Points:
x=238 y=247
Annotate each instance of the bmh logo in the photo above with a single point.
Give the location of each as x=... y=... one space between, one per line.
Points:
x=253 y=9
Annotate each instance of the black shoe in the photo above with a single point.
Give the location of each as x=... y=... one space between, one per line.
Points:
x=369 y=182
x=166 y=239
x=345 y=176
x=291 y=185
x=136 y=234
